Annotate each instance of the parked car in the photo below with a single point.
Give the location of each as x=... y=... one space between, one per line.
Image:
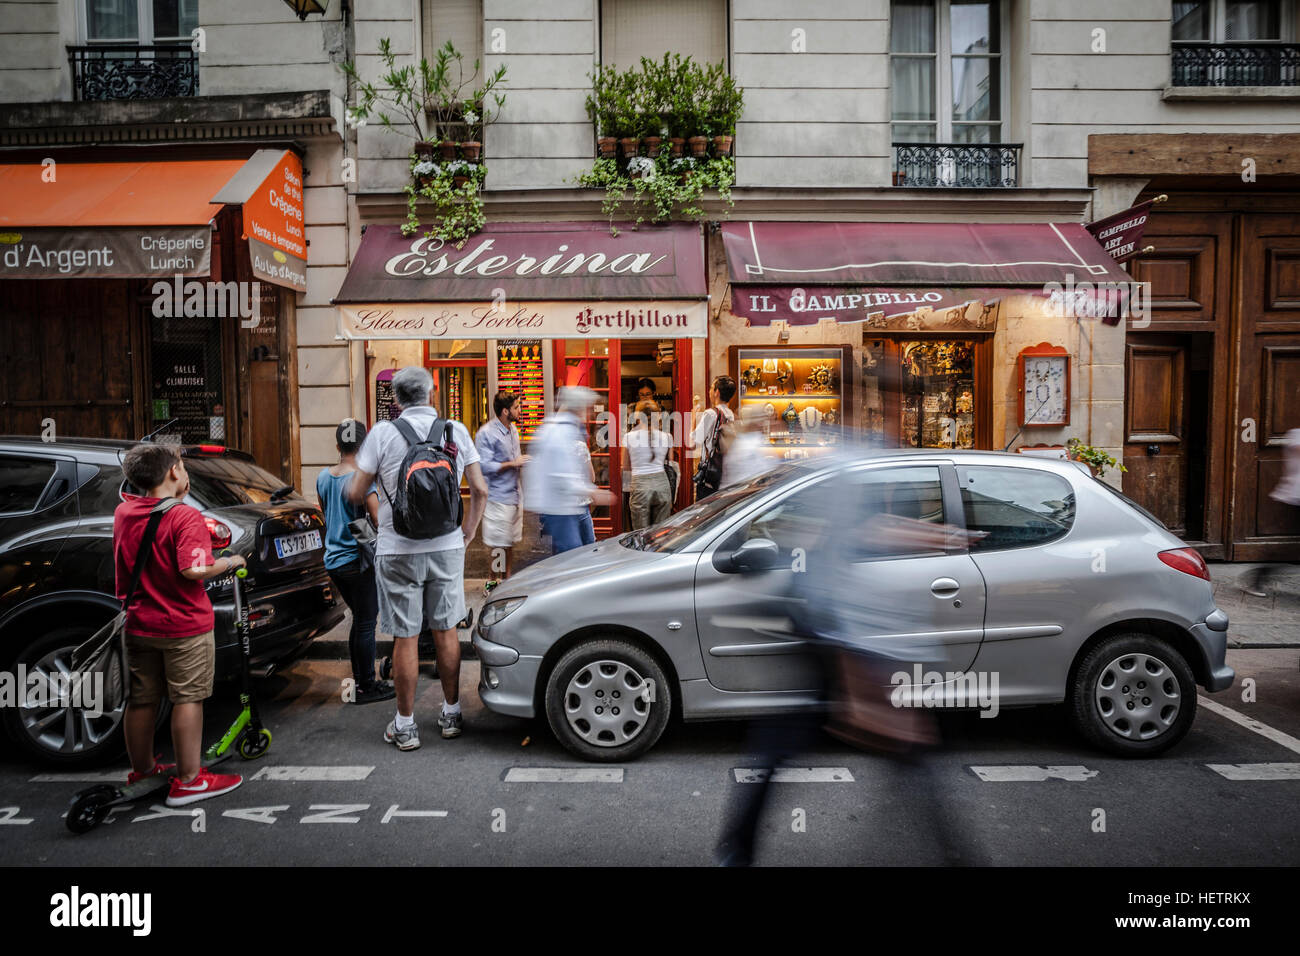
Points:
x=690 y=618
x=57 y=576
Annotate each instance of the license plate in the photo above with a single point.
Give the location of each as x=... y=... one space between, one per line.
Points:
x=292 y=544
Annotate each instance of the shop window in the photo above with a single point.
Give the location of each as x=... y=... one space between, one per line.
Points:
x=631 y=29
x=187 y=397
x=1014 y=507
x=938 y=394
x=797 y=395
x=22 y=480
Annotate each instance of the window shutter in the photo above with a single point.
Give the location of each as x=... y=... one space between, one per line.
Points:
x=461 y=22
x=631 y=29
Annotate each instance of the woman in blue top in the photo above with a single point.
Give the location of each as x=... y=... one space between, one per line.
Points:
x=354 y=578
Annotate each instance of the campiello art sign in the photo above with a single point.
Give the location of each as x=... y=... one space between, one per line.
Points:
x=557 y=280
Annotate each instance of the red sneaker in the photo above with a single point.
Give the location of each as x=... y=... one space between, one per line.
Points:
x=206 y=784
x=163 y=769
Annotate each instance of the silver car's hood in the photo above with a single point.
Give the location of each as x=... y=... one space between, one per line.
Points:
x=578 y=564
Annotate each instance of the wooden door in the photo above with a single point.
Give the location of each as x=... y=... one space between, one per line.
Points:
x=1268 y=345
x=68 y=353
x=1177 y=379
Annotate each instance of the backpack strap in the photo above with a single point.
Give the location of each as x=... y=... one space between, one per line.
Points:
x=406 y=431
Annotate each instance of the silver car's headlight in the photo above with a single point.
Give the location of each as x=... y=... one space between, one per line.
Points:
x=498 y=610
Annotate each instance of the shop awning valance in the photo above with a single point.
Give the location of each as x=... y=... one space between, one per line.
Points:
x=536 y=280
x=803 y=272
x=110 y=220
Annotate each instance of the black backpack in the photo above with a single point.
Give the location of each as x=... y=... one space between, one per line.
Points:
x=428 y=501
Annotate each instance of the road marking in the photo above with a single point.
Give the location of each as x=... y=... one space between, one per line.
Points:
x=312 y=773
x=98 y=776
x=1250 y=723
x=256 y=814
x=394 y=812
x=334 y=813
x=793 y=774
x=1257 y=771
x=1032 y=774
x=564 y=775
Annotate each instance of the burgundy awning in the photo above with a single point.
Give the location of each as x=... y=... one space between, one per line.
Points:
x=803 y=272
x=519 y=261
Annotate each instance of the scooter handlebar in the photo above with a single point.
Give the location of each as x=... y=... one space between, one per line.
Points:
x=241 y=572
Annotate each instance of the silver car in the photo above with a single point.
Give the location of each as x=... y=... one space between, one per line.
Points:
x=1053 y=582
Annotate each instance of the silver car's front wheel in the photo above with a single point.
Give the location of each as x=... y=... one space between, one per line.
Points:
x=1137 y=696
x=607 y=700
x=1134 y=695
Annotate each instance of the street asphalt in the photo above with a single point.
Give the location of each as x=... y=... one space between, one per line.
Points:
x=1019 y=789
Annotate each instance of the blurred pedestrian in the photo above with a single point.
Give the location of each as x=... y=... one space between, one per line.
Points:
x=559 y=484
x=162 y=554
x=743 y=454
x=709 y=435
x=1288 y=493
x=419 y=460
x=647 y=454
x=501 y=460
x=352 y=572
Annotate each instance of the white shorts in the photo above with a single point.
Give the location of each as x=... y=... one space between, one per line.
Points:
x=503 y=524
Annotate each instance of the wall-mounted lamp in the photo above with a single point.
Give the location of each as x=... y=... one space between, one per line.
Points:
x=304 y=7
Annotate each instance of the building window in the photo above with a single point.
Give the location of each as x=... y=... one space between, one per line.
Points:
x=631 y=29
x=1222 y=43
x=142 y=22
x=135 y=49
x=461 y=22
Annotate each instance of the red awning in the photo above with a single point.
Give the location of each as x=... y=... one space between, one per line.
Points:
x=803 y=272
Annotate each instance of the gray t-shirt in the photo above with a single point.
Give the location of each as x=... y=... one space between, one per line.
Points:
x=381 y=454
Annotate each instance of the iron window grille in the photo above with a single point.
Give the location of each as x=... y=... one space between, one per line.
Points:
x=957 y=165
x=133 y=72
x=1236 y=64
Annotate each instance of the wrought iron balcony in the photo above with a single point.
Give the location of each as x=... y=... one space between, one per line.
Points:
x=133 y=72
x=958 y=165
x=1236 y=64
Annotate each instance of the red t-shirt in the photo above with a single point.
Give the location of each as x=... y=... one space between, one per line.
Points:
x=167 y=604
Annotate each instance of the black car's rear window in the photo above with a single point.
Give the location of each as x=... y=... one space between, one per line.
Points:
x=222 y=482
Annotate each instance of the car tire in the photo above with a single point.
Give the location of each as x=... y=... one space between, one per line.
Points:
x=1133 y=695
x=104 y=741
x=596 y=700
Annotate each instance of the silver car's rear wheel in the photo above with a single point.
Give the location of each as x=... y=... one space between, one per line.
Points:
x=1134 y=695
x=607 y=703
x=1137 y=696
x=607 y=700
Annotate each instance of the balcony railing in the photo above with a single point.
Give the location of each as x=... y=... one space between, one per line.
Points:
x=133 y=72
x=1236 y=64
x=957 y=165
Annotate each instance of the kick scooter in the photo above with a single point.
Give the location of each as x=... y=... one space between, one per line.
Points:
x=247 y=735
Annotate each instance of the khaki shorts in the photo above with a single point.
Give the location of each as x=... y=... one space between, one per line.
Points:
x=503 y=524
x=179 y=668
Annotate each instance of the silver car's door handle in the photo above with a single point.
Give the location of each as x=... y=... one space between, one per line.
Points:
x=944 y=587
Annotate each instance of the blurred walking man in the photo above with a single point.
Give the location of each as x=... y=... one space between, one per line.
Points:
x=558 y=483
x=420 y=578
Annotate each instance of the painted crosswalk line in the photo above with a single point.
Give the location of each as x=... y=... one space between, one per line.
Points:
x=793 y=774
x=1257 y=771
x=312 y=773
x=1032 y=774
x=1250 y=723
x=564 y=775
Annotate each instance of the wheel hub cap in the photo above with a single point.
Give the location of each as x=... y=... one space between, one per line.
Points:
x=605 y=703
x=1137 y=696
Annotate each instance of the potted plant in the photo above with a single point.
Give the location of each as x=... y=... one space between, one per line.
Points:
x=629 y=113
x=602 y=109
x=728 y=101
x=1096 y=459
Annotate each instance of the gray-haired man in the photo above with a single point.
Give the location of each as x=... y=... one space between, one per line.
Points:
x=419 y=579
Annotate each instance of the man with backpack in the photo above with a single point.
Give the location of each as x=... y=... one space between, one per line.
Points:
x=418 y=460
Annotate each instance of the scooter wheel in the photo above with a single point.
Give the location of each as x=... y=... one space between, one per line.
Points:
x=253 y=746
x=90 y=807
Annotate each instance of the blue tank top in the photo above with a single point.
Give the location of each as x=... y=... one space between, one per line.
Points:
x=340 y=545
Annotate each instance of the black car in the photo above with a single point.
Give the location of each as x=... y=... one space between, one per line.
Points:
x=57 y=578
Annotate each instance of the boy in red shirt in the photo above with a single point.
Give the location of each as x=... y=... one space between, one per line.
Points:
x=169 y=626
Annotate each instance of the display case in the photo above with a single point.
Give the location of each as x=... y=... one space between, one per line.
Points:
x=926 y=391
x=801 y=391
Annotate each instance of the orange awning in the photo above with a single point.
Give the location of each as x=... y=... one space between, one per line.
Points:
x=177 y=193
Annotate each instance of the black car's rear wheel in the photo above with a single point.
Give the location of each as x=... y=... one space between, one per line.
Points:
x=608 y=700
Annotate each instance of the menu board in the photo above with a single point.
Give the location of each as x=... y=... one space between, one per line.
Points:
x=519 y=370
x=186 y=379
x=385 y=411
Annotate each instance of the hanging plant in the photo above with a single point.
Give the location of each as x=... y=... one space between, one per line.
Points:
x=437 y=104
x=658 y=190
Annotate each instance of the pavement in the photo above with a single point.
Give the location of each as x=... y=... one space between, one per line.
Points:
x=1272 y=621
x=1019 y=789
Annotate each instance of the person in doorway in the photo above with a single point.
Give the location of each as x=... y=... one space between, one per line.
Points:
x=420 y=577
x=353 y=575
x=1288 y=493
x=559 y=484
x=645 y=390
x=501 y=460
x=646 y=452
x=711 y=429
x=171 y=646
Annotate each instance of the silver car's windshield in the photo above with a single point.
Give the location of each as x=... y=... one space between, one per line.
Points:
x=685 y=526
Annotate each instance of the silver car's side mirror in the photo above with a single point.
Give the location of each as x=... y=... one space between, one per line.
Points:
x=756 y=554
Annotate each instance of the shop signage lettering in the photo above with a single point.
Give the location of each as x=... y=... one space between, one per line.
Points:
x=477 y=320
x=49 y=253
x=273 y=222
x=1120 y=234
x=423 y=260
